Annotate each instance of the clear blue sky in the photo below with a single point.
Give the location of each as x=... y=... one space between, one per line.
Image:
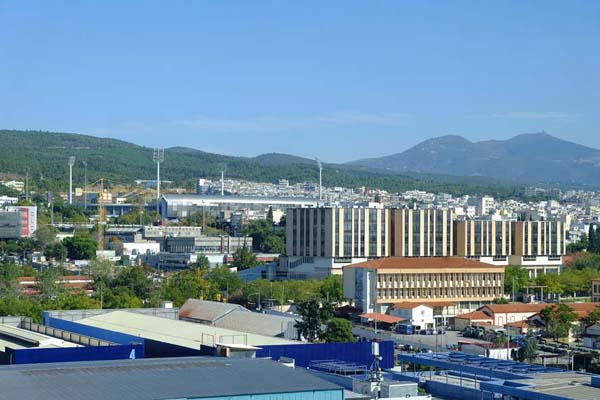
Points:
x=336 y=79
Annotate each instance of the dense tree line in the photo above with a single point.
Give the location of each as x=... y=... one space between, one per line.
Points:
x=119 y=161
x=574 y=280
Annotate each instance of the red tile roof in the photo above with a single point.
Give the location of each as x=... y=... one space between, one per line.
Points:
x=381 y=317
x=474 y=316
x=422 y=263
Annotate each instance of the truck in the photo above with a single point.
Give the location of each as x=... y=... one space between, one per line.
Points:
x=404 y=329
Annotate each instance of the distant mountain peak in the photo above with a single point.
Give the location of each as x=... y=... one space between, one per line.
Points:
x=527 y=158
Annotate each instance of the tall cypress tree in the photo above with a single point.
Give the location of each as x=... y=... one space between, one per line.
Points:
x=592 y=240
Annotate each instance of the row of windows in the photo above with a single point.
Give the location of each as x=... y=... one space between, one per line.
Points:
x=456 y=292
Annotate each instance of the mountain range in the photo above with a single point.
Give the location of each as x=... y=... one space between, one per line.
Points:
x=537 y=158
x=44 y=155
x=445 y=164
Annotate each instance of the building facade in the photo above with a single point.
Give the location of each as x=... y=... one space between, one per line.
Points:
x=375 y=285
x=538 y=246
x=321 y=241
x=488 y=241
x=421 y=233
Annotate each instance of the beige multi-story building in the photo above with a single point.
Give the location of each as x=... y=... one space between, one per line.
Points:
x=538 y=238
x=488 y=241
x=421 y=233
x=337 y=232
x=538 y=246
x=375 y=285
x=320 y=241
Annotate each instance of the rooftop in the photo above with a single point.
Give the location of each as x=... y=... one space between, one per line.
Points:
x=207 y=310
x=200 y=198
x=167 y=378
x=181 y=333
x=424 y=263
x=388 y=319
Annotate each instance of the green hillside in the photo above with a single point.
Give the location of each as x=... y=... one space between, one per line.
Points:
x=45 y=154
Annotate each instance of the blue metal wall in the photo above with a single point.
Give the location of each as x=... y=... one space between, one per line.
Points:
x=98 y=333
x=156 y=349
x=308 y=395
x=37 y=355
x=359 y=352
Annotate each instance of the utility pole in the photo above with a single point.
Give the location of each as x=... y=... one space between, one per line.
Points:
x=71 y=162
x=158 y=156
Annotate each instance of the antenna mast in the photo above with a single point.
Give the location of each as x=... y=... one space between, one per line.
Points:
x=158 y=156
x=71 y=162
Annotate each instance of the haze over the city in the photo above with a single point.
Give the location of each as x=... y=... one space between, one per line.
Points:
x=339 y=80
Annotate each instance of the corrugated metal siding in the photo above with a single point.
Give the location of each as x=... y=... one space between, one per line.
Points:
x=359 y=353
x=91 y=331
x=36 y=355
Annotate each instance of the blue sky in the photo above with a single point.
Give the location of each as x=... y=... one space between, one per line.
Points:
x=341 y=80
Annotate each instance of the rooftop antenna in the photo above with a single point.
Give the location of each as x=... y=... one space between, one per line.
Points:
x=320 y=165
x=375 y=374
x=71 y=162
x=158 y=156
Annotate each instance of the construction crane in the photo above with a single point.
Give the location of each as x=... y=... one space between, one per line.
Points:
x=101 y=211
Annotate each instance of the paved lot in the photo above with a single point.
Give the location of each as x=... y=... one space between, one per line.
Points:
x=417 y=341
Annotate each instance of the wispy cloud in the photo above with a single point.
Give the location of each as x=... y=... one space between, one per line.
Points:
x=279 y=124
x=530 y=115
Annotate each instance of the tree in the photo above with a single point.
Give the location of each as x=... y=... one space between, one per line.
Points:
x=593 y=240
x=338 y=330
x=500 y=300
x=81 y=246
x=517 y=276
x=314 y=316
x=558 y=319
x=528 y=351
x=57 y=251
x=202 y=262
x=551 y=281
x=332 y=288
x=225 y=280
x=243 y=258
x=134 y=279
x=270 y=216
x=45 y=235
x=592 y=317
x=48 y=282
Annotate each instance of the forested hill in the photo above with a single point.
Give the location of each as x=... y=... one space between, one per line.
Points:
x=45 y=155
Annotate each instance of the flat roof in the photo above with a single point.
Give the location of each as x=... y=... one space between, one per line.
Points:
x=17 y=338
x=570 y=385
x=165 y=378
x=181 y=333
x=201 y=198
